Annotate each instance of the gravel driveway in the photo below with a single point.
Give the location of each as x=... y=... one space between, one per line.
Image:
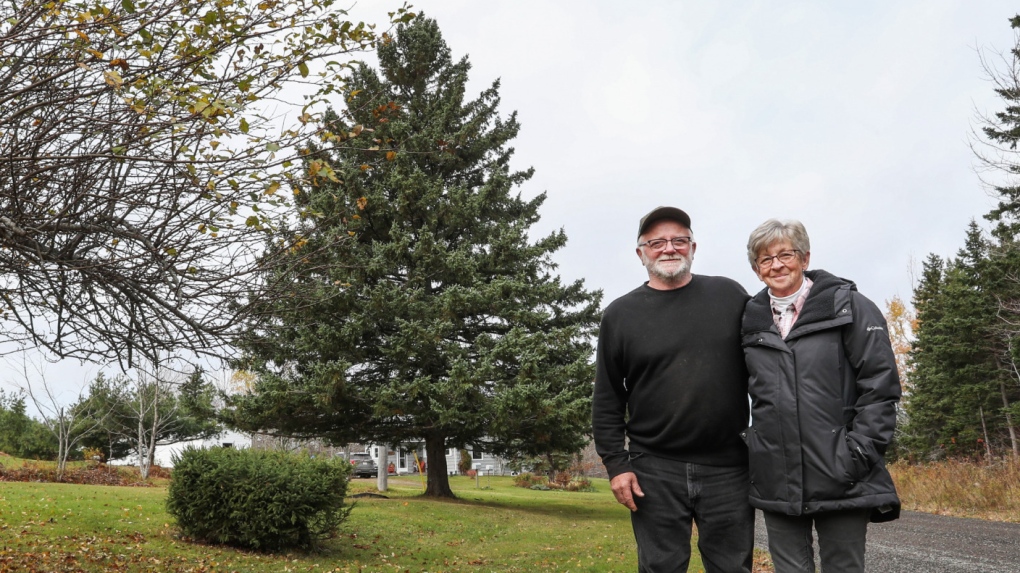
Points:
x=925 y=543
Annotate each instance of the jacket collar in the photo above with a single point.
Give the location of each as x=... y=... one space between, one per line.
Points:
x=819 y=306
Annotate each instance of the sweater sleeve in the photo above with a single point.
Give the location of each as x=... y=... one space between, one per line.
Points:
x=609 y=403
x=869 y=351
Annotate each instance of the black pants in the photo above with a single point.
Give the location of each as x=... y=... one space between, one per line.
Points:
x=841 y=540
x=677 y=493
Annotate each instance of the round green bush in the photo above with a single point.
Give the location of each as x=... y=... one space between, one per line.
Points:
x=257 y=499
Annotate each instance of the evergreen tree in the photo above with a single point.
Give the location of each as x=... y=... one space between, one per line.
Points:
x=20 y=435
x=923 y=403
x=196 y=399
x=420 y=307
x=962 y=353
x=967 y=351
x=998 y=150
x=999 y=154
x=950 y=362
x=107 y=399
x=985 y=286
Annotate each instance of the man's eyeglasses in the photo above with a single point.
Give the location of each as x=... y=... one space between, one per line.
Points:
x=785 y=257
x=679 y=243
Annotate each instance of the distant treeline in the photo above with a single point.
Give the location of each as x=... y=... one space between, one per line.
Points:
x=20 y=435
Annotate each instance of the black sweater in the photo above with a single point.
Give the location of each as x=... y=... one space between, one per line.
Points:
x=672 y=361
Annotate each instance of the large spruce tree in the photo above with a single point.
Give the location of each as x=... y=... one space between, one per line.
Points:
x=422 y=310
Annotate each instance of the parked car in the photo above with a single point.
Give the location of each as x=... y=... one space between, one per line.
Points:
x=364 y=465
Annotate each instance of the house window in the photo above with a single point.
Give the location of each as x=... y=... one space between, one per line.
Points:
x=375 y=452
x=476 y=453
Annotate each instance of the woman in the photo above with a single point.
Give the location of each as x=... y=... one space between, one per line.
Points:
x=824 y=388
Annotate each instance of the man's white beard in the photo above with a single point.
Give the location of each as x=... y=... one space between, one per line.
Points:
x=669 y=273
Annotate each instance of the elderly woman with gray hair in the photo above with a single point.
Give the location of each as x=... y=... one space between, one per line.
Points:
x=824 y=387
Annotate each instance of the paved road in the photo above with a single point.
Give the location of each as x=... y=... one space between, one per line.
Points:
x=925 y=543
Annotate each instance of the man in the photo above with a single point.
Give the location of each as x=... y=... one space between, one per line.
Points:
x=670 y=403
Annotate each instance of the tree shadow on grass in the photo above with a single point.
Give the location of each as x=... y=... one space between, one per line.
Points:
x=554 y=505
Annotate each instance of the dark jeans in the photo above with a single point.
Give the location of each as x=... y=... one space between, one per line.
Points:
x=841 y=540
x=677 y=493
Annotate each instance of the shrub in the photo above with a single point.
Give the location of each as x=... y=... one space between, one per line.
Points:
x=464 y=463
x=93 y=455
x=546 y=464
x=259 y=499
x=580 y=484
x=528 y=479
x=581 y=467
x=563 y=481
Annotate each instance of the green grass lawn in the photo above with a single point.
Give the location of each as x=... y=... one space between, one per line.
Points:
x=493 y=527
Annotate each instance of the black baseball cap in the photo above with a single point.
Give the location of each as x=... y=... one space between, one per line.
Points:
x=659 y=213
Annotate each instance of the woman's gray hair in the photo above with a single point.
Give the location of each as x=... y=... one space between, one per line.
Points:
x=775 y=231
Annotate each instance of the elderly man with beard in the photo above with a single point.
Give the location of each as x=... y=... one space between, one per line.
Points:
x=670 y=402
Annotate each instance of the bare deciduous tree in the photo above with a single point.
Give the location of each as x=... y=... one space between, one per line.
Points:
x=69 y=422
x=142 y=155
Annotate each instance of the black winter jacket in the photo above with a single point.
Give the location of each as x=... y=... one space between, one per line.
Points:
x=823 y=404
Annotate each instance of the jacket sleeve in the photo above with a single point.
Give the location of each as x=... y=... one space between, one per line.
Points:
x=609 y=404
x=869 y=352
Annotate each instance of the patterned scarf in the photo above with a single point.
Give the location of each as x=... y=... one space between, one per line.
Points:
x=785 y=316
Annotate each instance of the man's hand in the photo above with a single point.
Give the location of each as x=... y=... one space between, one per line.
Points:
x=625 y=487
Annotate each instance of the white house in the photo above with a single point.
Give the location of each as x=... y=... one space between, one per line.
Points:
x=228 y=438
x=405 y=456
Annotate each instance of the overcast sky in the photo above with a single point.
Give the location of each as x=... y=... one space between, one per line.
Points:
x=853 y=117
x=850 y=116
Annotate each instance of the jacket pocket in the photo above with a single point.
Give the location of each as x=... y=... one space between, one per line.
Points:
x=765 y=463
x=849 y=463
x=858 y=467
x=828 y=467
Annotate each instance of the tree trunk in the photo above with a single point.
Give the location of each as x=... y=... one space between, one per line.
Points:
x=147 y=440
x=156 y=421
x=435 y=468
x=143 y=469
x=63 y=435
x=1009 y=420
x=152 y=456
x=984 y=430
